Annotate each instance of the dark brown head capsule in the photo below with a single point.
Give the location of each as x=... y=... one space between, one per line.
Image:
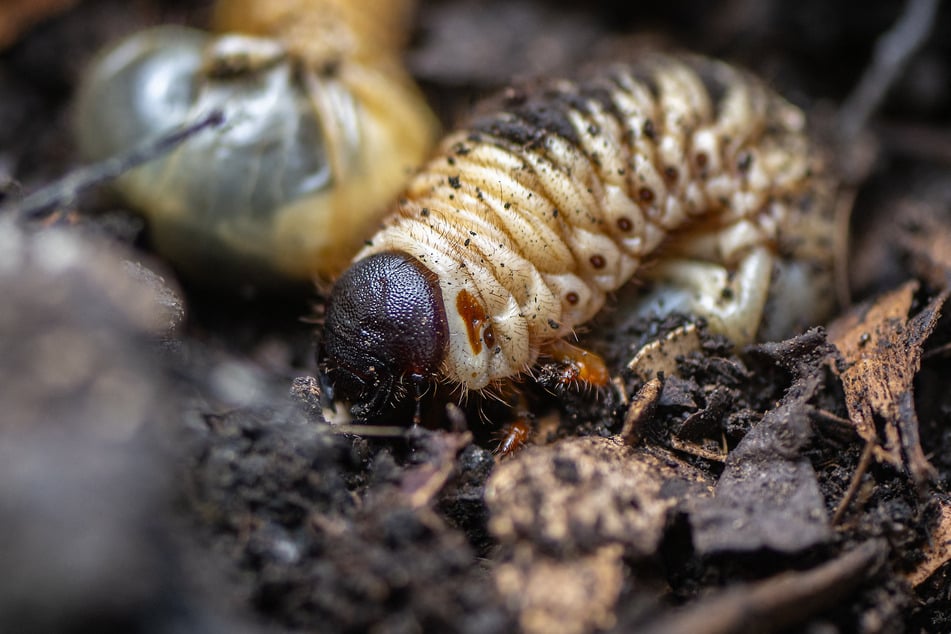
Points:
x=385 y=322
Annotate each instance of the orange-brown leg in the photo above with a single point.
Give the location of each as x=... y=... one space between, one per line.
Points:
x=578 y=365
x=513 y=437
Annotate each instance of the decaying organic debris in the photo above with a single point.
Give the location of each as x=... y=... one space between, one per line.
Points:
x=768 y=497
x=881 y=349
x=566 y=516
x=167 y=472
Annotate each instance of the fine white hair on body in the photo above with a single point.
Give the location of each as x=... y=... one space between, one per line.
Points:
x=530 y=216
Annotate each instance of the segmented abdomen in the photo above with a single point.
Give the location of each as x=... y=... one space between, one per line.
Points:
x=531 y=215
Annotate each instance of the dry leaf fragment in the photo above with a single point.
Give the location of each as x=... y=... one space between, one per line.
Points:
x=660 y=356
x=881 y=347
x=641 y=409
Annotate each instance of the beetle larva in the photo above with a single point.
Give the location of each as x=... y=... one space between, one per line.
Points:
x=524 y=222
x=322 y=129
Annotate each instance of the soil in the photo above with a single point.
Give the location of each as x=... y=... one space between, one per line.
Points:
x=166 y=462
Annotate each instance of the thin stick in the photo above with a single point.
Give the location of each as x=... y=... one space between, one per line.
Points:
x=776 y=603
x=892 y=52
x=940 y=351
x=843 y=221
x=370 y=431
x=826 y=415
x=860 y=470
x=43 y=201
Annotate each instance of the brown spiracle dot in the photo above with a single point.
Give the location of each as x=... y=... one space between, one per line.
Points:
x=488 y=336
x=671 y=174
x=701 y=159
x=646 y=194
x=744 y=161
x=597 y=261
x=572 y=298
x=649 y=131
x=625 y=224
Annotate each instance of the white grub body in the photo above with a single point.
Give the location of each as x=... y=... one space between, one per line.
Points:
x=530 y=217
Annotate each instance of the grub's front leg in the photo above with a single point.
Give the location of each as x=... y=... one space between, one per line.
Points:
x=577 y=366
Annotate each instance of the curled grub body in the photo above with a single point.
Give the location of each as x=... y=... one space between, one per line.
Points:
x=531 y=216
x=322 y=128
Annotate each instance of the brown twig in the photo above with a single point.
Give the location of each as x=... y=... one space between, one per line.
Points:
x=893 y=50
x=923 y=142
x=843 y=220
x=778 y=602
x=856 y=481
